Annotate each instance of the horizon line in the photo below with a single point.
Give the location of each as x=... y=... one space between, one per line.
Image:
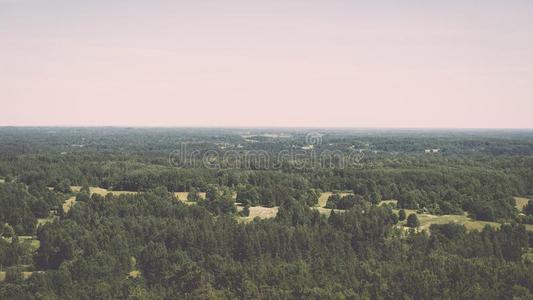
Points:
x=267 y=127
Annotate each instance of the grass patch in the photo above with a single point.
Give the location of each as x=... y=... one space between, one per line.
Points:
x=427 y=220
x=25 y=275
x=259 y=212
x=67 y=205
x=182 y=196
x=41 y=222
x=134 y=274
x=388 y=202
x=35 y=244
x=29 y=240
x=521 y=202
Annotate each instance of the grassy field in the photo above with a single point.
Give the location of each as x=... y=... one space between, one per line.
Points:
x=68 y=204
x=2 y=180
x=260 y=212
x=521 y=202
x=182 y=196
x=269 y=212
x=427 y=219
x=25 y=275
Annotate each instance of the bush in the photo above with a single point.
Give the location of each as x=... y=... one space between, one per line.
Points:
x=401 y=215
x=412 y=221
x=246 y=211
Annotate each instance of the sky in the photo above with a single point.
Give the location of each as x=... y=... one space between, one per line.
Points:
x=288 y=63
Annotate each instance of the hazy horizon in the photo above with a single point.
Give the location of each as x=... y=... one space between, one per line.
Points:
x=277 y=64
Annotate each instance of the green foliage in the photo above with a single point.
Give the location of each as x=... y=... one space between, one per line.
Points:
x=528 y=209
x=248 y=194
x=412 y=221
x=246 y=211
x=16 y=208
x=14 y=275
x=219 y=201
x=40 y=209
x=83 y=197
x=344 y=202
x=401 y=215
x=62 y=186
x=203 y=251
x=193 y=195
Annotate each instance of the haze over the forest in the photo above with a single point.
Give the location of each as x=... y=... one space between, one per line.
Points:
x=466 y=64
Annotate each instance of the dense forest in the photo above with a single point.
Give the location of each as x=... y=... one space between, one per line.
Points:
x=366 y=241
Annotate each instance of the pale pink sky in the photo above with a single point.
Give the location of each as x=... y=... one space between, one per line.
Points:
x=398 y=63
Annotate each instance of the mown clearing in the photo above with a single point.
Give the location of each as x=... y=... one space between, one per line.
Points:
x=259 y=212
